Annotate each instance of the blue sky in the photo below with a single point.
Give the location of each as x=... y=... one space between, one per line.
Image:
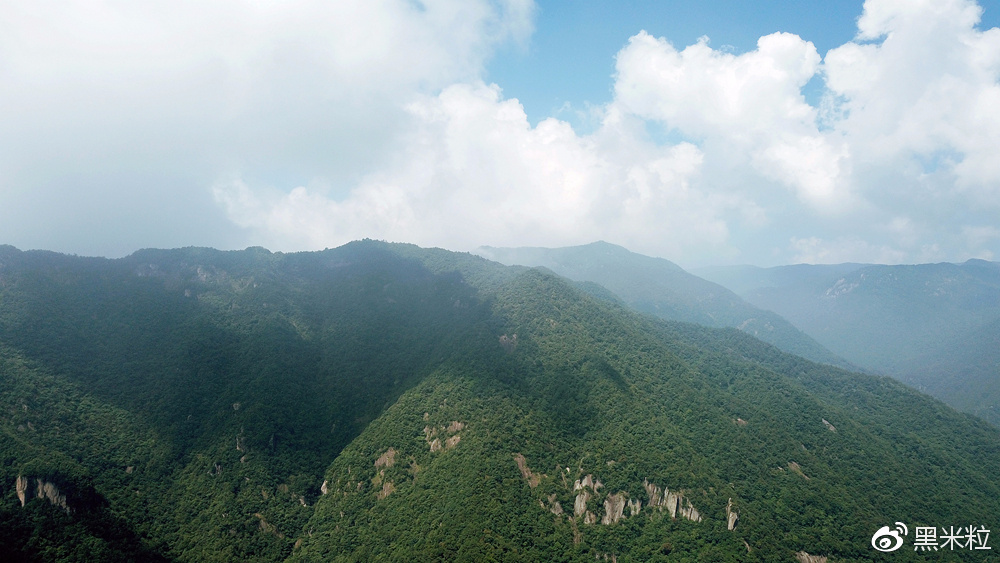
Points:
x=796 y=132
x=569 y=61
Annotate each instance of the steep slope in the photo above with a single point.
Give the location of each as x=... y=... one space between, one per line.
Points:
x=603 y=434
x=252 y=369
x=934 y=326
x=385 y=402
x=663 y=289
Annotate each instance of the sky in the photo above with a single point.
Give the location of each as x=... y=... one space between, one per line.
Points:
x=709 y=132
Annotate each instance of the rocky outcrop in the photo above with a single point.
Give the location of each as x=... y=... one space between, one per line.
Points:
x=580 y=504
x=829 y=426
x=614 y=508
x=673 y=502
x=797 y=469
x=554 y=506
x=686 y=510
x=387 y=459
x=803 y=557
x=43 y=490
x=588 y=487
x=731 y=515
x=522 y=465
x=508 y=343
x=587 y=482
x=387 y=489
x=449 y=437
x=581 y=486
x=21 y=484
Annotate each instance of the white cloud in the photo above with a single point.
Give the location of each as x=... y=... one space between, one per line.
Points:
x=898 y=143
x=930 y=86
x=749 y=109
x=159 y=98
x=473 y=169
x=305 y=124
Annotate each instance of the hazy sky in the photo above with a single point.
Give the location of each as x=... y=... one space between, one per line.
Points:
x=705 y=132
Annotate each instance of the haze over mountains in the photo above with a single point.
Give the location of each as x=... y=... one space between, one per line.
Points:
x=386 y=402
x=933 y=326
x=661 y=288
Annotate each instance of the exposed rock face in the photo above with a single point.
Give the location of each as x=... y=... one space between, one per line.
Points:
x=654 y=492
x=614 y=507
x=587 y=481
x=451 y=431
x=387 y=459
x=829 y=426
x=324 y=488
x=803 y=557
x=670 y=500
x=687 y=511
x=21 y=484
x=387 y=488
x=673 y=502
x=634 y=506
x=554 y=505
x=796 y=468
x=580 y=504
x=522 y=465
x=731 y=515
x=508 y=342
x=48 y=490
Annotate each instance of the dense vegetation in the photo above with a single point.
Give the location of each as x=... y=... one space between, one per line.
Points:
x=663 y=289
x=385 y=402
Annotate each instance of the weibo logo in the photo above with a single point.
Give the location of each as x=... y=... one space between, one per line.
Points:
x=889 y=539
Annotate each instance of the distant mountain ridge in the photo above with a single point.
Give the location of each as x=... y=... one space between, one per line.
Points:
x=934 y=326
x=661 y=288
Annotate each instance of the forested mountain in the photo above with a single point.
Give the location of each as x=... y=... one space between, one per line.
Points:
x=661 y=288
x=744 y=280
x=934 y=326
x=385 y=402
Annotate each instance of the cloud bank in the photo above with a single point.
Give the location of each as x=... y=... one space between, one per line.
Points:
x=300 y=126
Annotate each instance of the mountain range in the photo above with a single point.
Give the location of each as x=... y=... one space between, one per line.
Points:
x=384 y=402
x=933 y=326
x=659 y=287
